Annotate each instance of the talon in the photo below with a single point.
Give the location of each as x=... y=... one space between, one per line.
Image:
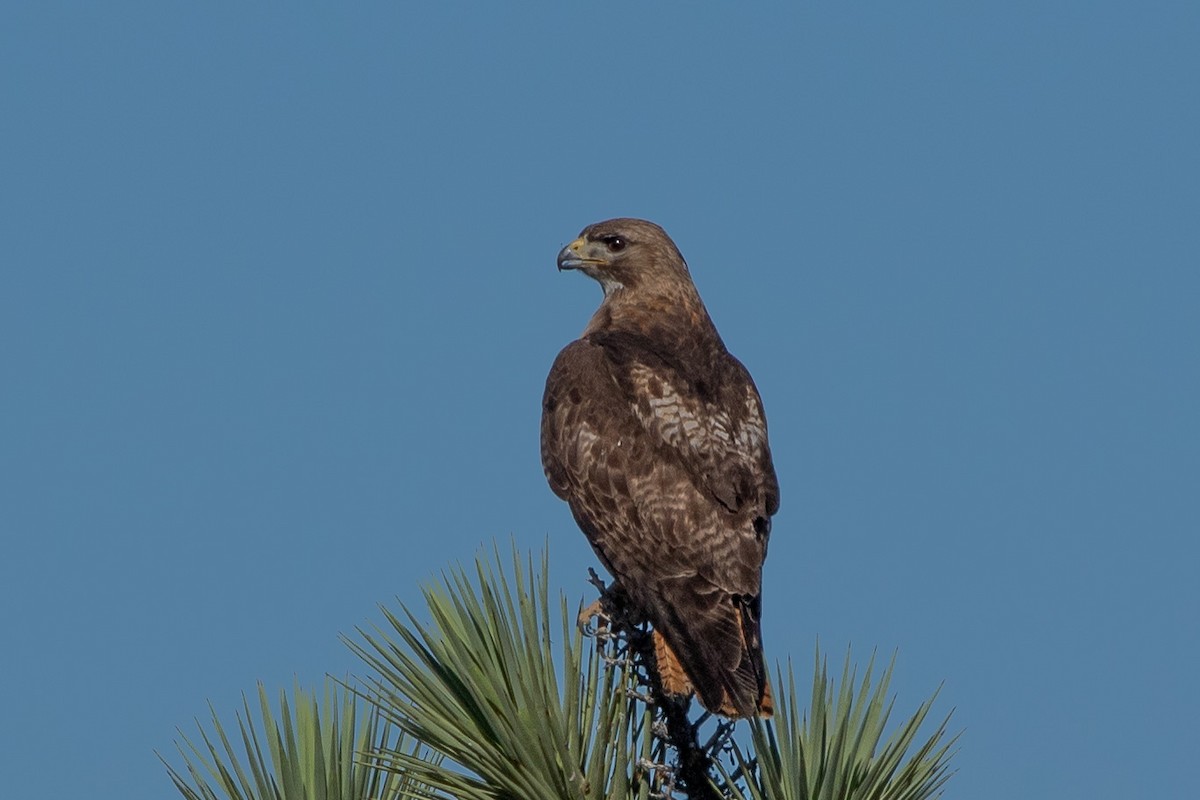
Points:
x=594 y=611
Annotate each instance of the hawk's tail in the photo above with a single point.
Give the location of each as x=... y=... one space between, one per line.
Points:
x=741 y=689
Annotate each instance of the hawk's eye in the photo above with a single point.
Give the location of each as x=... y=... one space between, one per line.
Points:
x=615 y=244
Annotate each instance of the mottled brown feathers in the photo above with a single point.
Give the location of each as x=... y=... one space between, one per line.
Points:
x=655 y=436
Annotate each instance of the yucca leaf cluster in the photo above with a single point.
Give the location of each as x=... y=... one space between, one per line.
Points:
x=492 y=692
x=314 y=748
x=481 y=686
x=839 y=749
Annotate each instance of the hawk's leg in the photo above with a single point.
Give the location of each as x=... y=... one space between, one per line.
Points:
x=611 y=610
x=612 y=621
x=666 y=689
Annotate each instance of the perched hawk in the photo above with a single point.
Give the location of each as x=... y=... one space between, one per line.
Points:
x=655 y=436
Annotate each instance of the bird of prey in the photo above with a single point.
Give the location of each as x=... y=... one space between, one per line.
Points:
x=655 y=436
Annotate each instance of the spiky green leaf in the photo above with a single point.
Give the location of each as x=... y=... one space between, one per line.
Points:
x=317 y=748
x=838 y=750
x=479 y=685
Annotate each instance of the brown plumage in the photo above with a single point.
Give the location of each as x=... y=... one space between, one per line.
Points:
x=655 y=436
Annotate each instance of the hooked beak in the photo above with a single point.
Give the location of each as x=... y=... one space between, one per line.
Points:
x=571 y=256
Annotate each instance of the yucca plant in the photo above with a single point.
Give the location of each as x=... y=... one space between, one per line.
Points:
x=480 y=686
x=837 y=751
x=316 y=749
x=493 y=693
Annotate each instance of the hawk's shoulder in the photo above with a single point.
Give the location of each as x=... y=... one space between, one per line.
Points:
x=580 y=406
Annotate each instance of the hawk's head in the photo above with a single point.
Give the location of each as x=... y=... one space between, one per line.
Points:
x=626 y=254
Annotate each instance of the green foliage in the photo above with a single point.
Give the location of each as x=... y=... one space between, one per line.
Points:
x=496 y=697
x=479 y=686
x=838 y=751
x=315 y=754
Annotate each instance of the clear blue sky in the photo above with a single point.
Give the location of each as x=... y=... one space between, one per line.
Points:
x=277 y=298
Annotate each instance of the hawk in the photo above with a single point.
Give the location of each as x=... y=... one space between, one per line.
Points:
x=655 y=436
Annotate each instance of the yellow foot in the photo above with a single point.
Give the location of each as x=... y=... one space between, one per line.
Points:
x=594 y=611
